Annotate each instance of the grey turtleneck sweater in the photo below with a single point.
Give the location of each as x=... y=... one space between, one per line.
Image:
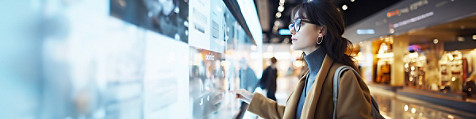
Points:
x=314 y=62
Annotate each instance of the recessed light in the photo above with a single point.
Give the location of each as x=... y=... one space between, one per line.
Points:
x=276 y=23
x=281 y=8
x=344 y=7
x=460 y=39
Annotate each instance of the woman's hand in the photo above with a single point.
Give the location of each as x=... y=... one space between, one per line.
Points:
x=243 y=95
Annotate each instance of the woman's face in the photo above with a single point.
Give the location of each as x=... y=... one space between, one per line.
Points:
x=304 y=37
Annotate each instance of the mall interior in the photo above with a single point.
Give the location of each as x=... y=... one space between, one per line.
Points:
x=182 y=59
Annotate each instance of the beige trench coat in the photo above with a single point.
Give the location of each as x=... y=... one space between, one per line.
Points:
x=353 y=101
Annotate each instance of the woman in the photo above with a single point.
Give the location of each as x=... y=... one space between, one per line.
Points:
x=317 y=31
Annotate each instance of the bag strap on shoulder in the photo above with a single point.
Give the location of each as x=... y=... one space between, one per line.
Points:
x=335 y=84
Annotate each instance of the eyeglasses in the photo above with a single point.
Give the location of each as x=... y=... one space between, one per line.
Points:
x=297 y=24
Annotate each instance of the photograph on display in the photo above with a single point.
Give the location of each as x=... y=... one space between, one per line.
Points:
x=199 y=24
x=217 y=26
x=167 y=17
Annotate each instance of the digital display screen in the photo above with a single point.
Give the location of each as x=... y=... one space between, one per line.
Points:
x=126 y=59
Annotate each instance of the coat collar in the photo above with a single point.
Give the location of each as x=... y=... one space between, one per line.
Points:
x=313 y=94
x=293 y=100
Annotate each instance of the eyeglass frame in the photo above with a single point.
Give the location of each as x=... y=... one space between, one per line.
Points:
x=298 y=26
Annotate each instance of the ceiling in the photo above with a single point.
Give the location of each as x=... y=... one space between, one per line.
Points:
x=268 y=9
x=447 y=32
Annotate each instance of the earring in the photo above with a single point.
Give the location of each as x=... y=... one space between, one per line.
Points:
x=321 y=39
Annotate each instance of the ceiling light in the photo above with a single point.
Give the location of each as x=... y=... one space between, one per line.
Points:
x=435 y=41
x=278 y=15
x=460 y=39
x=281 y=1
x=276 y=23
x=474 y=37
x=275 y=29
x=280 y=8
x=344 y=7
x=352 y=0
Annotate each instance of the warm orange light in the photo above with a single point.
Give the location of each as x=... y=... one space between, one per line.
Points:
x=393 y=13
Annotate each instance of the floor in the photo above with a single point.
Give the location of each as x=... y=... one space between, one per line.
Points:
x=391 y=105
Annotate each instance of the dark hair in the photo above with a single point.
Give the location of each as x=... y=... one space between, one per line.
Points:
x=274 y=60
x=324 y=13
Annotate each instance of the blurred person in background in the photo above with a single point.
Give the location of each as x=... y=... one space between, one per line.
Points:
x=317 y=30
x=268 y=79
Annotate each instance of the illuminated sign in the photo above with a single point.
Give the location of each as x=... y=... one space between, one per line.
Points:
x=284 y=32
x=365 y=31
x=408 y=15
x=412 y=7
x=414 y=19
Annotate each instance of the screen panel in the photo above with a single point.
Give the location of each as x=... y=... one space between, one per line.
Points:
x=123 y=59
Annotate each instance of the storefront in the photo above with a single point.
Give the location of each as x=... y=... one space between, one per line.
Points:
x=422 y=46
x=384 y=61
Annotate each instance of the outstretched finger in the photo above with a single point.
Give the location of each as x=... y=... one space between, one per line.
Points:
x=238 y=96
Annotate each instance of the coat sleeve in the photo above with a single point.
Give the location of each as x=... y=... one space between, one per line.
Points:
x=265 y=108
x=354 y=98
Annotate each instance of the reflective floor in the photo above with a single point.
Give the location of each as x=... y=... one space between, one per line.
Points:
x=392 y=106
x=401 y=107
